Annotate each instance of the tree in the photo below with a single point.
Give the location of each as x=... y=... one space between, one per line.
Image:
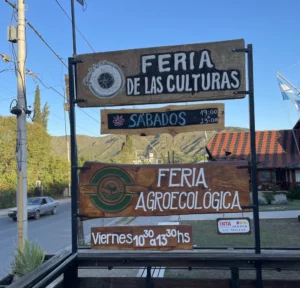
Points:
x=45 y=115
x=127 y=153
x=42 y=164
x=40 y=116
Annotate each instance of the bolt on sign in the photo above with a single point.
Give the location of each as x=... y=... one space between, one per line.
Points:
x=233 y=226
x=113 y=190
x=169 y=237
x=183 y=73
x=169 y=119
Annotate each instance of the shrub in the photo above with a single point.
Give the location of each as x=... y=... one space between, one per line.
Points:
x=27 y=260
x=269 y=196
x=280 y=199
x=261 y=199
x=7 y=200
x=294 y=193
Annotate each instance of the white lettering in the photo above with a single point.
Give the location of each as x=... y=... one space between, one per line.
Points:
x=145 y=62
x=186 y=172
x=160 y=174
x=205 y=60
x=179 y=58
x=142 y=204
x=199 y=180
x=172 y=170
x=162 y=62
x=130 y=86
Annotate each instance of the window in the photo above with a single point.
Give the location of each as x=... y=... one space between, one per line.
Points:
x=297 y=174
x=268 y=176
x=264 y=176
x=50 y=199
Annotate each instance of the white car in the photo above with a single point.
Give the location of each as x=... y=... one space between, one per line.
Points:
x=36 y=207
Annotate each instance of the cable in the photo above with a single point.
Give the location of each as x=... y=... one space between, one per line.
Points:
x=38 y=34
x=89 y=115
x=50 y=87
x=86 y=41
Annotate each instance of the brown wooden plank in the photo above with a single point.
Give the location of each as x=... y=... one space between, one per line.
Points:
x=182 y=73
x=169 y=237
x=164 y=189
x=169 y=119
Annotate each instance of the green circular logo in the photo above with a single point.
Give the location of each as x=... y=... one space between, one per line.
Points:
x=111 y=196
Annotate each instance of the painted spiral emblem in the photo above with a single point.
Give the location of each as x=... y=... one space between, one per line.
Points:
x=105 y=79
x=112 y=195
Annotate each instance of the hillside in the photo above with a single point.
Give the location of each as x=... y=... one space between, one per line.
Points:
x=186 y=146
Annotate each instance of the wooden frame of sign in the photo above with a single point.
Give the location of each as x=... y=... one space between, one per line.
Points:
x=182 y=73
x=169 y=119
x=116 y=190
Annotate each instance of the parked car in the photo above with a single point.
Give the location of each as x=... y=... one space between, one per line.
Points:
x=36 y=207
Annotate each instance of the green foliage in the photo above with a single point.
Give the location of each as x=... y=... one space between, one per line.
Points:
x=269 y=196
x=45 y=115
x=40 y=116
x=42 y=165
x=7 y=200
x=37 y=114
x=187 y=146
x=294 y=193
x=27 y=260
x=127 y=152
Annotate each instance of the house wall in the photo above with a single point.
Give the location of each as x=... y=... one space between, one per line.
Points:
x=279 y=177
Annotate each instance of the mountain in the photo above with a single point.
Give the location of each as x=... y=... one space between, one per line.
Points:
x=186 y=146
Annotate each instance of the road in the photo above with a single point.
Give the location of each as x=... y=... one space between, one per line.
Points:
x=52 y=232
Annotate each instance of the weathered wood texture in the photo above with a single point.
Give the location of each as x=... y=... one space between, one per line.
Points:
x=171 y=237
x=180 y=283
x=187 y=119
x=104 y=78
x=112 y=190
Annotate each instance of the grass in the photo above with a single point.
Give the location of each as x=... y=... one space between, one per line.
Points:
x=274 y=233
x=281 y=233
x=292 y=205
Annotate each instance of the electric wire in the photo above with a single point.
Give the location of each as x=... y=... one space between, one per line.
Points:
x=86 y=41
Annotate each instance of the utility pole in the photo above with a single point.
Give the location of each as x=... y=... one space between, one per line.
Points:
x=21 y=125
x=67 y=109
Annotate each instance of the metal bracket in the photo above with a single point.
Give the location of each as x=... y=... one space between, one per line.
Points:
x=83 y=168
x=82 y=215
x=79 y=101
x=242 y=92
x=245 y=50
x=76 y=61
x=15 y=111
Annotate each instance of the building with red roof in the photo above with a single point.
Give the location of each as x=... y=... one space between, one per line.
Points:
x=278 y=154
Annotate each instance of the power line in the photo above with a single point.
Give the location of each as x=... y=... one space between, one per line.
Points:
x=89 y=115
x=38 y=34
x=86 y=41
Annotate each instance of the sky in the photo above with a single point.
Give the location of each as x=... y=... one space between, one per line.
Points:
x=270 y=26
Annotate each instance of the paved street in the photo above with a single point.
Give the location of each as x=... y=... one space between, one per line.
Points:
x=53 y=232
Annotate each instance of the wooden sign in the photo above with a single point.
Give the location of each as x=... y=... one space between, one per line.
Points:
x=170 y=119
x=184 y=73
x=173 y=237
x=113 y=190
x=227 y=226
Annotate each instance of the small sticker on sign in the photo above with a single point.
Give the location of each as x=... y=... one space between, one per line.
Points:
x=234 y=226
